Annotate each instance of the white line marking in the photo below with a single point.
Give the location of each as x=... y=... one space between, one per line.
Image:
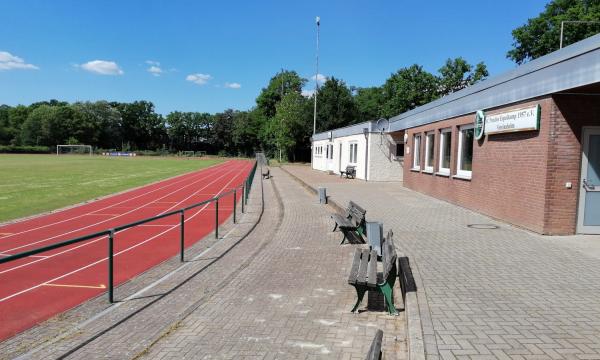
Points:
x=116 y=254
x=102 y=237
x=106 y=220
x=180 y=178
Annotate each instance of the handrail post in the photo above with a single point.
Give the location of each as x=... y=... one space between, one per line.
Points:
x=111 y=237
x=217 y=218
x=243 y=191
x=234 y=204
x=182 y=235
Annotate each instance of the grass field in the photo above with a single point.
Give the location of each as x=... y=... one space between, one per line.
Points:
x=31 y=184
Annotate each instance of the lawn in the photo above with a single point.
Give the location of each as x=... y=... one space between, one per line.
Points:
x=31 y=184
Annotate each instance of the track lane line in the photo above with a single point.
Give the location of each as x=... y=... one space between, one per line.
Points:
x=116 y=254
x=179 y=178
x=105 y=220
x=87 y=243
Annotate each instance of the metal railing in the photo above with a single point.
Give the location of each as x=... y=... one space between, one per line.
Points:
x=245 y=188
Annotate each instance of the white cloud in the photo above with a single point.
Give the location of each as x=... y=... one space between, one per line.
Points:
x=307 y=93
x=102 y=67
x=10 y=62
x=155 y=70
x=151 y=62
x=198 y=78
x=320 y=78
x=233 y=85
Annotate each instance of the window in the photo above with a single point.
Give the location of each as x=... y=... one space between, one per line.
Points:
x=327 y=152
x=417 y=152
x=330 y=151
x=400 y=150
x=429 y=145
x=353 y=152
x=465 y=151
x=445 y=150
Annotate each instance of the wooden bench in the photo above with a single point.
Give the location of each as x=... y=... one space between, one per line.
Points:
x=350 y=172
x=364 y=276
x=267 y=174
x=375 y=349
x=352 y=222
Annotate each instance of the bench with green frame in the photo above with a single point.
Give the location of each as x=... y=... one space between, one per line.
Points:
x=352 y=223
x=364 y=276
x=350 y=172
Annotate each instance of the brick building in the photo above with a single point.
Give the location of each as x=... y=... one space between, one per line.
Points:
x=523 y=147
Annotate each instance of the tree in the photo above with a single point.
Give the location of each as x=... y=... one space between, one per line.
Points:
x=6 y=131
x=222 y=132
x=406 y=89
x=96 y=123
x=16 y=118
x=457 y=74
x=335 y=105
x=369 y=102
x=40 y=126
x=246 y=131
x=541 y=35
x=291 y=128
x=282 y=83
x=142 y=128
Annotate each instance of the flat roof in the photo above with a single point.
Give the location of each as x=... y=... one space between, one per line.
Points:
x=570 y=67
x=346 y=130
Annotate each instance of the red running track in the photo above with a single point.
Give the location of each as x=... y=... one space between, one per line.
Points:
x=35 y=288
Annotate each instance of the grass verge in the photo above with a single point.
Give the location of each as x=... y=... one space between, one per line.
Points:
x=31 y=184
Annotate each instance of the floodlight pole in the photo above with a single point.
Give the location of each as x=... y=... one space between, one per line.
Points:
x=562 y=27
x=318 y=21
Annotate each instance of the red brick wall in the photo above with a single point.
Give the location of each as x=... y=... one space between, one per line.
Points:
x=570 y=114
x=509 y=178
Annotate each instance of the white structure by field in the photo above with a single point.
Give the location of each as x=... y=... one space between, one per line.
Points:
x=377 y=156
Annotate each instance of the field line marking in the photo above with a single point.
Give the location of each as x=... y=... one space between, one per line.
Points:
x=157 y=225
x=101 y=286
x=96 y=214
x=179 y=178
x=103 y=221
x=102 y=237
x=103 y=259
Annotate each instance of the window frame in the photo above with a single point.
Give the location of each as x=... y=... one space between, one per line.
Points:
x=463 y=173
x=416 y=163
x=429 y=166
x=443 y=170
x=353 y=153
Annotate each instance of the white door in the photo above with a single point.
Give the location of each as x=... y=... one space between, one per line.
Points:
x=330 y=164
x=588 y=219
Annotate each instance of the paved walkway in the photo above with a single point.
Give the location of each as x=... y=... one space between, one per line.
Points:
x=278 y=293
x=485 y=293
x=290 y=302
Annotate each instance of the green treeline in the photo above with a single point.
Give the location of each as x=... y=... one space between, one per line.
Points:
x=281 y=120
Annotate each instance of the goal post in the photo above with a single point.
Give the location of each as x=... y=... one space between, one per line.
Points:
x=74 y=149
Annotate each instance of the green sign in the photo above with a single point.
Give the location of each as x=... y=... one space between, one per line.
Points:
x=479 y=124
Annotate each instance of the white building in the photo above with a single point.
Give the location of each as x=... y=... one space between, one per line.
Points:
x=376 y=155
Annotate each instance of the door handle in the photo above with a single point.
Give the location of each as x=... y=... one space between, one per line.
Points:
x=587 y=186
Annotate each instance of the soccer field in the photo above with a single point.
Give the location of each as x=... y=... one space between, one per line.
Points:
x=31 y=184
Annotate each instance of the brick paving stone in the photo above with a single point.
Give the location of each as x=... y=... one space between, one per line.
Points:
x=503 y=293
x=291 y=301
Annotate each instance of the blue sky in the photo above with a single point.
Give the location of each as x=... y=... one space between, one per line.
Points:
x=213 y=55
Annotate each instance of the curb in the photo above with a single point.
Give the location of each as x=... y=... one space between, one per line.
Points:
x=414 y=328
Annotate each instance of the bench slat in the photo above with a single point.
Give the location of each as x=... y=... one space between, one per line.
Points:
x=340 y=220
x=372 y=271
x=375 y=349
x=362 y=271
x=355 y=265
